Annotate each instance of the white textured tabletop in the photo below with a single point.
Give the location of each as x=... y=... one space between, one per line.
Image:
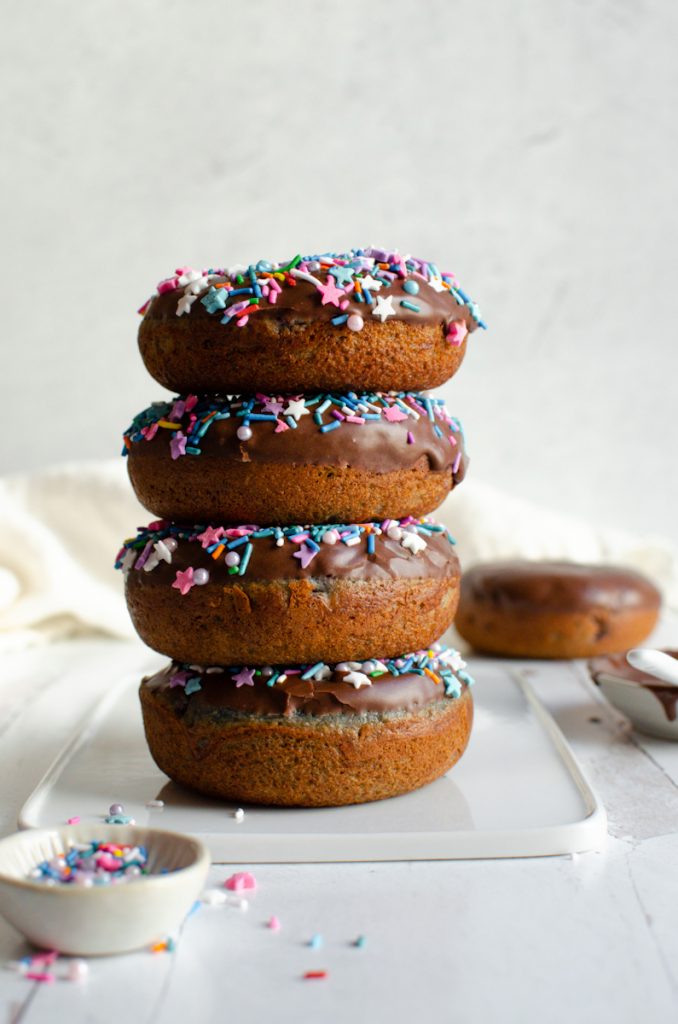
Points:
x=585 y=938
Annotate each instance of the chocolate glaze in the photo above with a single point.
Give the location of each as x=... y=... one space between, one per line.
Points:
x=559 y=586
x=301 y=305
x=332 y=696
x=268 y=562
x=377 y=446
x=617 y=666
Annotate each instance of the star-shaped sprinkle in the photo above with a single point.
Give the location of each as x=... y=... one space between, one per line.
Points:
x=193 y=280
x=413 y=542
x=184 y=580
x=273 y=405
x=185 y=302
x=394 y=414
x=437 y=284
x=305 y=555
x=384 y=307
x=210 y=535
x=216 y=298
x=178 y=445
x=296 y=407
x=330 y=292
x=357 y=679
x=342 y=275
x=371 y=283
x=245 y=677
x=281 y=427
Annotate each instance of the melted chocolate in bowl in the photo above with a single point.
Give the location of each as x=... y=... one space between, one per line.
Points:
x=616 y=666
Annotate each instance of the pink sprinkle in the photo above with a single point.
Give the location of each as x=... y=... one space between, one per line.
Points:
x=410 y=437
x=343 y=304
x=242 y=321
x=456 y=332
x=44 y=976
x=337 y=415
x=150 y=432
x=274 y=286
x=273 y=297
x=44 y=959
x=241 y=881
x=170 y=284
x=274 y=924
x=386 y=523
x=281 y=427
x=73 y=821
x=191 y=401
x=354 y=419
x=455 y=467
x=452 y=439
x=299 y=538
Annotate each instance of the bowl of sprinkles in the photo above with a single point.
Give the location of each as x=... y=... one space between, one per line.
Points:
x=95 y=890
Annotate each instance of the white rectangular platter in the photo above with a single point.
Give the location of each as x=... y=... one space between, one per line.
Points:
x=517 y=792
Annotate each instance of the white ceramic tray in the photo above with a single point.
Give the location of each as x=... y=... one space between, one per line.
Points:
x=517 y=792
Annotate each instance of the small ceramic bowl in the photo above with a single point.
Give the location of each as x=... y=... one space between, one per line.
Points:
x=100 y=920
x=645 y=700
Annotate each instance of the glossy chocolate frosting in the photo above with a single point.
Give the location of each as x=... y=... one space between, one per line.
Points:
x=399 y=552
x=420 y=293
x=396 y=433
x=617 y=666
x=201 y=690
x=558 y=586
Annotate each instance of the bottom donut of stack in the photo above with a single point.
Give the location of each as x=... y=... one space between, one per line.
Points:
x=310 y=736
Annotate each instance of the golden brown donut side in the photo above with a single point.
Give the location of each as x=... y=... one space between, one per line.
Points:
x=210 y=490
x=308 y=764
x=303 y=621
x=296 y=357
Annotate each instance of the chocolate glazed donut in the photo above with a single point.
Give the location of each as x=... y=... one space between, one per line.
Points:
x=555 y=609
x=339 y=739
x=294 y=594
x=287 y=460
x=367 y=318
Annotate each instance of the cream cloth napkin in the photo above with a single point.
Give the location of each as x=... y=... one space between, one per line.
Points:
x=60 y=530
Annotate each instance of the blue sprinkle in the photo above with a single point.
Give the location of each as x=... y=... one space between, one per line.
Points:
x=410 y=305
x=411 y=287
x=330 y=426
x=316 y=941
x=337 y=320
x=192 y=686
x=370 y=544
x=361 y=940
x=245 y=560
x=312 y=545
x=368 y=297
x=317 y=416
x=260 y=417
x=324 y=407
x=310 y=672
x=192 y=450
x=237 y=543
x=291 y=422
x=437 y=430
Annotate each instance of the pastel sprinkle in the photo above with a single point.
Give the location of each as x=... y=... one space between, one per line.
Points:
x=274 y=924
x=241 y=881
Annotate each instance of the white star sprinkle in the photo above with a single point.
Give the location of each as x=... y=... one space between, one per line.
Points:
x=371 y=283
x=384 y=307
x=185 y=302
x=413 y=542
x=357 y=679
x=194 y=281
x=437 y=284
x=296 y=408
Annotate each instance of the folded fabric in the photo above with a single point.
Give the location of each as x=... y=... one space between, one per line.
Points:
x=60 y=530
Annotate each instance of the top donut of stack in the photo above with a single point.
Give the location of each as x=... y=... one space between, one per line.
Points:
x=368 y=319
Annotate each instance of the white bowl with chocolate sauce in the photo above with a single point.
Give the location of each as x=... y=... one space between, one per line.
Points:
x=650 y=702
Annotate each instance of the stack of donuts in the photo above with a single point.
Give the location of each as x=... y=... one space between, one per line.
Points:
x=294 y=577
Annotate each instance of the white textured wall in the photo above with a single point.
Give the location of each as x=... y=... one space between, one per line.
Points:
x=531 y=147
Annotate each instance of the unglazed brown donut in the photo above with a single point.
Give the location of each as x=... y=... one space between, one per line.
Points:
x=555 y=609
x=286 y=459
x=368 y=319
x=348 y=734
x=295 y=595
